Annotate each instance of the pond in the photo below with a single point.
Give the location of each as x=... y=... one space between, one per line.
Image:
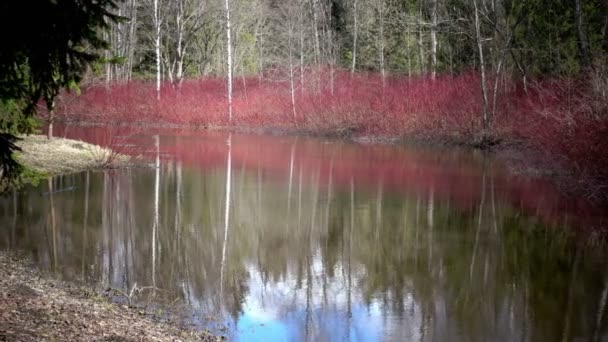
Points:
x=283 y=238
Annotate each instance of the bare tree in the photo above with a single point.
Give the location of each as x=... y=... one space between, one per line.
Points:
x=187 y=19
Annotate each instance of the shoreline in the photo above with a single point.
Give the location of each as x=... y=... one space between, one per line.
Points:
x=38 y=307
x=35 y=306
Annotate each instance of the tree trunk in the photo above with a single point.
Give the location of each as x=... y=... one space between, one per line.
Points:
x=132 y=39
x=421 y=57
x=355 y=33
x=291 y=76
x=484 y=90
x=51 y=119
x=179 y=19
x=228 y=59
x=382 y=44
x=583 y=43
x=157 y=46
x=302 y=48
x=316 y=31
x=434 y=39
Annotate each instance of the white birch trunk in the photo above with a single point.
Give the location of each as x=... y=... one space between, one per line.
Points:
x=179 y=19
x=434 y=40
x=382 y=44
x=421 y=55
x=157 y=25
x=482 y=67
x=355 y=34
x=228 y=58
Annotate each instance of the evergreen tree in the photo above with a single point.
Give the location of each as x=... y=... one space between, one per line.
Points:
x=47 y=45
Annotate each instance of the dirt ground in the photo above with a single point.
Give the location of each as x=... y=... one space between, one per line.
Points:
x=35 y=307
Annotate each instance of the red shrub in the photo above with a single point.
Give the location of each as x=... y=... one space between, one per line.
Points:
x=553 y=115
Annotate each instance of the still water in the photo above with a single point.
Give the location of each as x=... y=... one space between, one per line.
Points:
x=297 y=239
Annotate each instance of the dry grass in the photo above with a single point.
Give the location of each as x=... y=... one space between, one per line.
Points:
x=61 y=156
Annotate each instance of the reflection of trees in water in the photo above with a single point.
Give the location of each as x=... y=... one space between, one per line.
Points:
x=306 y=250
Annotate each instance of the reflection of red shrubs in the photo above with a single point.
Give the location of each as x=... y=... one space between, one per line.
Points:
x=554 y=116
x=419 y=173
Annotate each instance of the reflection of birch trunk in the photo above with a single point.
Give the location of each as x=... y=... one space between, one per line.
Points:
x=430 y=219
x=417 y=224
x=300 y=199
x=600 y=311
x=124 y=229
x=315 y=200
x=329 y=193
x=226 y=214
x=494 y=218
x=569 y=304
x=178 y=211
x=291 y=156
x=326 y=223
x=349 y=313
x=379 y=196
x=259 y=189
x=130 y=232
x=104 y=227
x=156 y=205
x=53 y=225
x=479 y=220
x=178 y=198
x=308 y=296
x=85 y=225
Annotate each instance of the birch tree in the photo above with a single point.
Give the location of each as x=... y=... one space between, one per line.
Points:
x=228 y=58
x=482 y=67
x=355 y=36
x=157 y=27
x=433 y=37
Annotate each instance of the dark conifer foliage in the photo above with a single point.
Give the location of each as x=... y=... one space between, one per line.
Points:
x=46 y=46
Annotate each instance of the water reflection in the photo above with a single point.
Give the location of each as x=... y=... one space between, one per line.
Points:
x=327 y=245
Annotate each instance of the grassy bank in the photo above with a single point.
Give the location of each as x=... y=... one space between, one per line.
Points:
x=60 y=156
x=35 y=307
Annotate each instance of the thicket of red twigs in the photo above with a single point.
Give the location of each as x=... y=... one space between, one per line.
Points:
x=566 y=118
